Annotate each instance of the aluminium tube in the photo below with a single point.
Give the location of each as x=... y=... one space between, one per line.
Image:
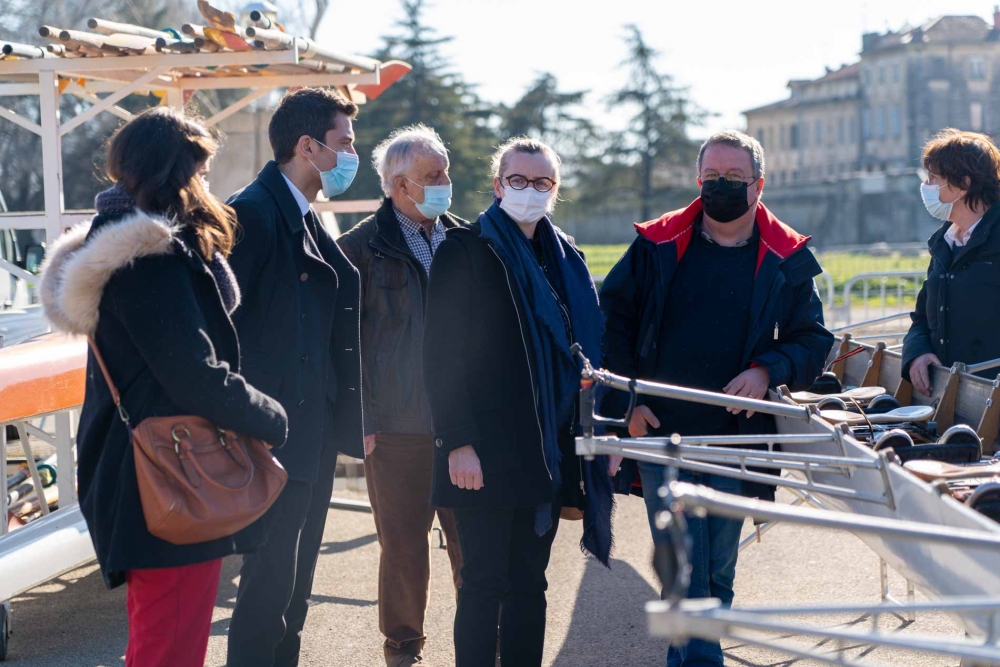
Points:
x=112 y=27
x=699 y=396
x=720 y=504
x=310 y=49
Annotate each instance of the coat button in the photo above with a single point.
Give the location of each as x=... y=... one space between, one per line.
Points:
x=942 y=341
x=305 y=357
x=304 y=277
x=942 y=309
x=941 y=276
x=378 y=357
x=438 y=443
x=951 y=277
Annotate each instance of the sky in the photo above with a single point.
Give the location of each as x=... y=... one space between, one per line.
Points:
x=732 y=55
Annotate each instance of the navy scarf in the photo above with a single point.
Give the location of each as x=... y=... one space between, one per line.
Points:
x=556 y=370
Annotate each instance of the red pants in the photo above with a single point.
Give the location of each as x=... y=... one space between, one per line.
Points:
x=170 y=614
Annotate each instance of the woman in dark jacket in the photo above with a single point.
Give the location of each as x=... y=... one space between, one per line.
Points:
x=958 y=309
x=148 y=280
x=507 y=297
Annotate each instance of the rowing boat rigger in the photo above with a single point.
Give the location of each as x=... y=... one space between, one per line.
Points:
x=843 y=479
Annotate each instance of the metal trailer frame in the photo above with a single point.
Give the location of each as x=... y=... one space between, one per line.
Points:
x=679 y=619
x=59 y=542
x=48 y=78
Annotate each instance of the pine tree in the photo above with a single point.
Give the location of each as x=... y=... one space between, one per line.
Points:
x=437 y=96
x=656 y=137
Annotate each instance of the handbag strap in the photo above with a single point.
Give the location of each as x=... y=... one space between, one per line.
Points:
x=115 y=395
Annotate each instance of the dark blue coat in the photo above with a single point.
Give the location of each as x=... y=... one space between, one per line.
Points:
x=958 y=310
x=786 y=333
x=138 y=286
x=299 y=323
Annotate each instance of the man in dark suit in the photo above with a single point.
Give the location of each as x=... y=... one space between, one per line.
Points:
x=299 y=333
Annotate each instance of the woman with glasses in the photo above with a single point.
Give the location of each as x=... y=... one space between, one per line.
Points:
x=958 y=312
x=507 y=298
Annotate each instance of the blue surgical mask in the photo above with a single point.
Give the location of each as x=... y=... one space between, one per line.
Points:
x=437 y=199
x=336 y=181
x=931 y=194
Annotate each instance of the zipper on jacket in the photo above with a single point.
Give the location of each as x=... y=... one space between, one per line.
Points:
x=775 y=331
x=527 y=358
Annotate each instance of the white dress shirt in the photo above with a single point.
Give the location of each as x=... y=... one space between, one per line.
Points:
x=300 y=198
x=954 y=235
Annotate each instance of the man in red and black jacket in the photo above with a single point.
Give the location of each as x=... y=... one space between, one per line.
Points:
x=718 y=296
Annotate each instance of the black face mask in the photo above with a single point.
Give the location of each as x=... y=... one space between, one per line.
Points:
x=722 y=202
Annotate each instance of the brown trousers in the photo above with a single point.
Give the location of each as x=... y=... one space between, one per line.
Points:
x=398 y=475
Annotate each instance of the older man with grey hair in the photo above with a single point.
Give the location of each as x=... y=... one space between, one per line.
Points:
x=716 y=296
x=392 y=250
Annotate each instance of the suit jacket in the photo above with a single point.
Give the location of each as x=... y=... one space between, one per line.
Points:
x=299 y=323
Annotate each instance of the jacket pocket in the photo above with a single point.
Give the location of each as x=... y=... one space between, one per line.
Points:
x=984 y=273
x=388 y=273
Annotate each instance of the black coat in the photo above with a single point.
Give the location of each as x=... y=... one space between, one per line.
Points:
x=156 y=312
x=393 y=287
x=479 y=381
x=786 y=333
x=958 y=309
x=299 y=323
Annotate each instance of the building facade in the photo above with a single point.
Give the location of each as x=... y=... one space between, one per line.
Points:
x=876 y=114
x=868 y=122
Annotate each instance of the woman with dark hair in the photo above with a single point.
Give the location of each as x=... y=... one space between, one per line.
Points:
x=147 y=279
x=507 y=298
x=958 y=309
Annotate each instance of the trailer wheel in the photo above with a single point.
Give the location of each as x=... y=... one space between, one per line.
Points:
x=4 y=629
x=895 y=439
x=882 y=404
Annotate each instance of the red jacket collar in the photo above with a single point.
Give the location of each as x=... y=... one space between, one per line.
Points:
x=677 y=226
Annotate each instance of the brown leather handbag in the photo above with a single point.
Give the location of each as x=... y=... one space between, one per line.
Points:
x=198 y=482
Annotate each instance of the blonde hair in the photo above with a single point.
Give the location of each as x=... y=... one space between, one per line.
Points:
x=522 y=144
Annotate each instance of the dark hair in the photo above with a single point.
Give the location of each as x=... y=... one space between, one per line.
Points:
x=968 y=161
x=308 y=111
x=156 y=156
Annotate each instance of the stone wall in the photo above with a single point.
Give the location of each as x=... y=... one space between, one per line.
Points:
x=855 y=211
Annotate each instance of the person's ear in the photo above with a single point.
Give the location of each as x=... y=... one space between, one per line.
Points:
x=305 y=147
x=399 y=184
x=497 y=189
x=698 y=181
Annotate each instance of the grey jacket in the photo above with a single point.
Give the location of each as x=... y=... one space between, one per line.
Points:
x=393 y=292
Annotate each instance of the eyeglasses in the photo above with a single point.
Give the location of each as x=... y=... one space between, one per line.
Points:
x=733 y=180
x=519 y=182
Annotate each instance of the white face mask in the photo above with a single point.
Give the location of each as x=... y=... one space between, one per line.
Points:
x=526 y=206
x=931 y=194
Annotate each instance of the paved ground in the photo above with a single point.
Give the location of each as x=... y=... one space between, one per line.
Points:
x=595 y=616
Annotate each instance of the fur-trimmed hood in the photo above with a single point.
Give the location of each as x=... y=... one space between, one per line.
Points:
x=80 y=264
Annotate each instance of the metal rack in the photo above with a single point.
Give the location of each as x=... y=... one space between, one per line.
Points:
x=937 y=543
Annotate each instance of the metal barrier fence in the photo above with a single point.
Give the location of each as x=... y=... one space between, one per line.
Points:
x=901 y=287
